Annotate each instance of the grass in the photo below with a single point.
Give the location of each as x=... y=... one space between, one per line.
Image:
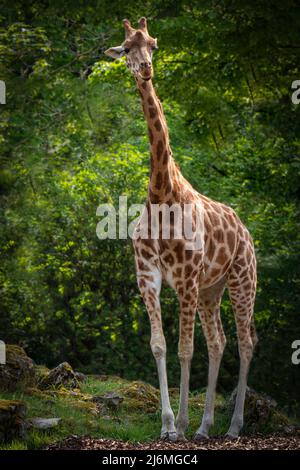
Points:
x=137 y=418
x=78 y=416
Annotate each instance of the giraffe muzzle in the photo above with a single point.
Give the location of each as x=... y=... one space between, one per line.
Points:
x=145 y=71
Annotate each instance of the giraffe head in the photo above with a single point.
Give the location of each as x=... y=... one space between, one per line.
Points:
x=138 y=48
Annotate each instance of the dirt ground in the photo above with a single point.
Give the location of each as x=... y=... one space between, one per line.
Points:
x=257 y=442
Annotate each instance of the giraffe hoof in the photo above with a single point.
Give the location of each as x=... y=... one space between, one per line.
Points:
x=200 y=437
x=169 y=436
x=230 y=436
x=181 y=437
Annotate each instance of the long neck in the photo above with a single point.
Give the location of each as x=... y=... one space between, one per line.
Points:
x=163 y=167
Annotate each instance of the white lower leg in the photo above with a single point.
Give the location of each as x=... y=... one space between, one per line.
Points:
x=237 y=420
x=208 y=415
x=182 y=419
x=168 y=427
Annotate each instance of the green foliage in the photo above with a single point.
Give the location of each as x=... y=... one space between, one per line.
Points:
x=72 y=136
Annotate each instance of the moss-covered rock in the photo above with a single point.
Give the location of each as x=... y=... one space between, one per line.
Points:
x=81 y=377
x=140 y=396
x=93 y=408
x=61 y=376
x=18 y=371
x=12 y=420
x=36 y=392
x=262 y=414
x=109 y=399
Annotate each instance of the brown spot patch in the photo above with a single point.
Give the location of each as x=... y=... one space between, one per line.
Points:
x=151 y=162
x=146 y=254
x=219 y=235
x=214 y=219
x=188 y=255
x=231 y=221
x=166 y=178
x=152 y=113
x=142 y=265
x=157 y=125
x=167 y=183
x=159 y=149
x=166 y=157
x=197 y=258
x=179 y=252
x=210 y=250
x=221 y=258
x=225 y=224
x=150 y=135
x=148 y=278
x=231 y=240
x=154 y=198
x=148 y=242
x=188 y=270
x=178 y=272
x=215 y=272
x=169 y=259
x=237 y=268
x=158 y=182
x=150 y=101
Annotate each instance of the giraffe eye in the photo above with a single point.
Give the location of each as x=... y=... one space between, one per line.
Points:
x=126 y=50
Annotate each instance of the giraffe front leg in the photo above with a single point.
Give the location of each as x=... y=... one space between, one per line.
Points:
x=185 y=354
x=188 y=303
x=150 y=289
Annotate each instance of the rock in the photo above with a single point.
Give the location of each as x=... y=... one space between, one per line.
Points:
x=80 y=377
x=50 y=402
x=109 y=399
x=61 y=376
x=12 y=420
x=140 y=396
x=18 y=371
x=43 y=423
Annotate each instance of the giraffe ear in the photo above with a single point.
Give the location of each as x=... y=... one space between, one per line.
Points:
x=143 y=24
x=115 y=52
x=128 y=28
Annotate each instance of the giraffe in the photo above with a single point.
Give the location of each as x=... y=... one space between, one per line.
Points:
x=199 y=277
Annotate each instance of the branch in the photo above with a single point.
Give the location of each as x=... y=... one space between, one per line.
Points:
x=78 y=56
x=218 y=170
x=288 y=46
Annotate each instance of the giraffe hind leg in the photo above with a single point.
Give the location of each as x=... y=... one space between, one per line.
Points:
x=242 y=289
x=209 y=312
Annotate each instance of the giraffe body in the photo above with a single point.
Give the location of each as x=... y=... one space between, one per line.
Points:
x=225 y=259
